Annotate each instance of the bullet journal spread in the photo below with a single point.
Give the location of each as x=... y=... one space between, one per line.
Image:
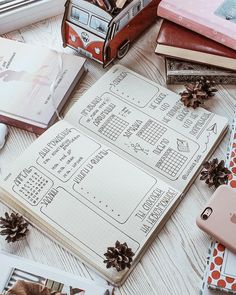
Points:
x=114 y=169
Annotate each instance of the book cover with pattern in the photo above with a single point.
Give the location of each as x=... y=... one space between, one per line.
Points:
x=213 y=19
x=222 y=275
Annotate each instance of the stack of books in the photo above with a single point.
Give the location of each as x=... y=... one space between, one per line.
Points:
x=202 y=35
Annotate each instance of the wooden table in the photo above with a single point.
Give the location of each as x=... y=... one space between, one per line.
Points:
x=175 y=262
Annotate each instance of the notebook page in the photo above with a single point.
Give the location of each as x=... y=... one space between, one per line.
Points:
x=88 y=193
x=148 y=125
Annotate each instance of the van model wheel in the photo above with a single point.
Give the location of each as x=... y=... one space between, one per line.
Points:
x=123 y=50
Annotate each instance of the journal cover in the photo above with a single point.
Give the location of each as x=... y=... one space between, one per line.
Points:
x=213 y=19
x=174 y=35
x=34 y=83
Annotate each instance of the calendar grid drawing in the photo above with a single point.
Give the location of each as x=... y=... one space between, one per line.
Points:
x=171 y=162
x=113 y=127
x=34 y=187
x=151 y=132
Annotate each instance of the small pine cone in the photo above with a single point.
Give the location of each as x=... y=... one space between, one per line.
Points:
x=119 y=256
x=197 y=92
x=14 y=227
x=193 y=96
x=215 y=173
x=208 y=86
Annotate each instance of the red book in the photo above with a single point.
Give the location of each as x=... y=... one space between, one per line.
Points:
x=178 y=42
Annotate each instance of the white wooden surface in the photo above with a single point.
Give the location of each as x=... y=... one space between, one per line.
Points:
x=175 y=262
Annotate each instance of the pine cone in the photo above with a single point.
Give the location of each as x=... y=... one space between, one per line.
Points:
x=14 y=227
x=197 y=92
x=207 y=86
x=215 y=173
x=119 y=256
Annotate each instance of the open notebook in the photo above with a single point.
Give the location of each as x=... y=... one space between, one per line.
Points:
x=114 y=169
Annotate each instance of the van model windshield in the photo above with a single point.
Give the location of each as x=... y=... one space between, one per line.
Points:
x=99 y=25
x=80 y=15
x=86 y=18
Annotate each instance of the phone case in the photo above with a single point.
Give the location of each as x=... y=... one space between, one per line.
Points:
x=218 y=218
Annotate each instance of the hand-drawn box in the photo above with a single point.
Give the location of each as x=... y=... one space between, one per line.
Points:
x=101 y=35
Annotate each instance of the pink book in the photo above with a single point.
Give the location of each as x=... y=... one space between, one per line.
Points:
x=215 y=19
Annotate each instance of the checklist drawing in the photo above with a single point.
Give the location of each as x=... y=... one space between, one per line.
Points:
x=113 y=127
x=151 y=132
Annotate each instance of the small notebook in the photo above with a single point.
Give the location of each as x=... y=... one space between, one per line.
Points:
x=114 y=169
x=25 y=277
x=35 y=83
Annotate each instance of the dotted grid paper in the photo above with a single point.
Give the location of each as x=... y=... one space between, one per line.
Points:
x=66 y=159
x=136 y=86
x=114 y=191
x=171 y=162
x=81 y=220
x=151 y=132
x=113 y=127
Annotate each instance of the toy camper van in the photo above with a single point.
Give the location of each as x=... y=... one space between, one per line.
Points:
x=100 y=30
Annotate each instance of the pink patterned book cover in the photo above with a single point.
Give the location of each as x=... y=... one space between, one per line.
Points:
x=215 y=19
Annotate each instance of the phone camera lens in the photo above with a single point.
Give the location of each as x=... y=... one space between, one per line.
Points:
x=204 y=216
x=206 y=213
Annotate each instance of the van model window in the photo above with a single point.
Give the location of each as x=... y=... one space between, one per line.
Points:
x=80 y=15
x=123 y=22
x=136 y=9
x=146 y=2
x=99 y=25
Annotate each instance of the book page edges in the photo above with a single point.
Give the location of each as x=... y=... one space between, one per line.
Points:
x=200 y=57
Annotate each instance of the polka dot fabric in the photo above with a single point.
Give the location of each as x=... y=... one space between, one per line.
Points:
x=216 y=279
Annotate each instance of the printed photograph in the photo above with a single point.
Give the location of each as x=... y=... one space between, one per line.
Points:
x=20 y=282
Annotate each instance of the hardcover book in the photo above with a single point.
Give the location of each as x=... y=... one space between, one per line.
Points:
x=180 y=71
x=213 y=19
x=25 y=277
x=35 y=84
x=181 y=43
x=113 y=169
